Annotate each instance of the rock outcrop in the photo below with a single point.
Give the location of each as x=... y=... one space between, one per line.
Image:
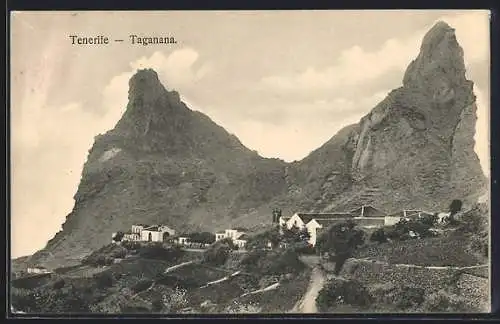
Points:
x=164 y=163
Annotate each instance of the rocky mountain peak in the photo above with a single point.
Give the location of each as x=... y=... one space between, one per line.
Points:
x=440 y=62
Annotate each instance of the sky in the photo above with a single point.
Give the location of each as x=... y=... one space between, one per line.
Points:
x=284 y=82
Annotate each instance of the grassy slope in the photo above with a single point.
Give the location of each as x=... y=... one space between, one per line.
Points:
x=447 y=250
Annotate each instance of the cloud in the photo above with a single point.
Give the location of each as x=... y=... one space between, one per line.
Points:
x=290 y=131
x=357 y=68
x=355 y=65
x=176 y=71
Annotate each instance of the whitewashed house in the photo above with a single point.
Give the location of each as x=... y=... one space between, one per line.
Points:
x=236 y=236
x=137 y=228
x=156 y=233
x=182 y=240
x=313 y=221
x=37 y=270
x=241 y=241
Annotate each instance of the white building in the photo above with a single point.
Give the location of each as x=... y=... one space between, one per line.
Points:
x=313 y=222
x=37 y=270
x=156 y=233
x=241 y=241
x=182 y=240
x=151 y=233
x=236 y=236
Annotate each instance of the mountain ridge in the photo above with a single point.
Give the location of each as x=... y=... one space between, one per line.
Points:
x=164 y=162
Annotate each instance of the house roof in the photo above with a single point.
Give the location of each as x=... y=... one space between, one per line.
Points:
x=240 y=229
x=243 y=237
x=327 y=221
x=307 y=217
x=220 y=233
x=140 y=225
x=368 y=211
x=153 y=228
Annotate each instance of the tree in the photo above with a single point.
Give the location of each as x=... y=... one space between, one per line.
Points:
x=202 y=237
x=261 y=240
x=455 y=207
x=118 y=236
x=294 y=235
x=378 y=236
x=341 y=240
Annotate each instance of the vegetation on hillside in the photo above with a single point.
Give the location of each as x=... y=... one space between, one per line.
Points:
x=340 y=241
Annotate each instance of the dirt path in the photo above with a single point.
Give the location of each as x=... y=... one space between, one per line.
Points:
x=308 y=303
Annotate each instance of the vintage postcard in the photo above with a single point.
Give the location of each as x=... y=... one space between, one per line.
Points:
x=226 y=162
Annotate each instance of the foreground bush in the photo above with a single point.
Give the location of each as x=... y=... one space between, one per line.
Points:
x=444 y=302
x=378 y=236
x=141 y=285
x=273 y=262
x=105 y=255
x=157 y=251
x=218 y=253
x=338 y=292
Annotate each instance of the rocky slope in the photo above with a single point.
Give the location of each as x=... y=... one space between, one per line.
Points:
x=166 y=163
x=415 y=149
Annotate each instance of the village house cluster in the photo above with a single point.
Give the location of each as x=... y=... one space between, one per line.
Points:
x=364 y=216
x=163 y=233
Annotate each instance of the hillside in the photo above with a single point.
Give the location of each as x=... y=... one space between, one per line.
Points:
x=164 y=163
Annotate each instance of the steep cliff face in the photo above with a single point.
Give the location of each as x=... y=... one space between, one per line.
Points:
x=164 y=163
x=415 y=149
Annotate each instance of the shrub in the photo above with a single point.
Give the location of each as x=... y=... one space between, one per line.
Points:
x=343 y=292
x=378 y=236
x=131 y=245
x=59 y=284
x=119 y=253
x=400 y=231
x=157 y=305
x=443 y=302
x=141 y=285
x=157 y=251
x=260 y=241
x=430 y=220
x=216 y=254
x=104 y=279
x=303 y=248
x=118 y=236
x=202 y=237
x=409 y=297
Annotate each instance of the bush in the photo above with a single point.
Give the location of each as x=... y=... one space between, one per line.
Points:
x=401 y=230
x=273 y=262
x=141 y=285
x=303 y=248
x=59 y=284
x=202 y=237
x=157 y=305
x=120 y=253
x=378 y=236
x=157 y=251
x=348 y=292
x=410 y=297
x=430 y=220
x=217 y=254
x=443 y=302
x=104 y=279
x=131 y=245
